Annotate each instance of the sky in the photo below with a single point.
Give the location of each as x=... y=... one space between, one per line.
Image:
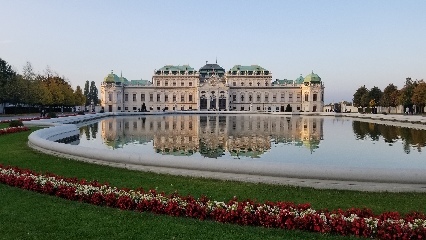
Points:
x=347 y=43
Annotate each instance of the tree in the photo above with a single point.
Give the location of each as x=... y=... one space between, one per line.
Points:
x=69 y=97
x=365 y=100
x=93 y=93
x=86 y=92
x=79 y=97
x=359 y=94
x=7 y=75
x=389 y=97
x=375 y=94
x=16 y=90
x=406 y=93
x=419 y=95
x=29 y=76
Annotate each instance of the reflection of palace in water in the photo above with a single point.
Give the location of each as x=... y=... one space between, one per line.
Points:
x=213 y=135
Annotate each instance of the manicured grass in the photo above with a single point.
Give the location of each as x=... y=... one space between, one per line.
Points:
x=31 y=215
x=64 y=216
x=4 y=125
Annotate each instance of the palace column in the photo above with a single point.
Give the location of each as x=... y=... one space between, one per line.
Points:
x=208 y=100
x=227 y=100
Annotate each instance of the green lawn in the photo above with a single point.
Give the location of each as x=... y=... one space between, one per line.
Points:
x=50 y=217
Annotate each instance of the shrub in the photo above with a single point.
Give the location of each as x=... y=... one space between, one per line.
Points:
x=51 y=115
x=16 y=123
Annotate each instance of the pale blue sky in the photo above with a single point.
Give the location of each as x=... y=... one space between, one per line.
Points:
x=347 y=43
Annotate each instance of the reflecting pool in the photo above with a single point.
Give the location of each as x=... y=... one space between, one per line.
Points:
x=310 y=140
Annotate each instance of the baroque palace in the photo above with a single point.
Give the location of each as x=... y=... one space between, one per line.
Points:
x=241 y=88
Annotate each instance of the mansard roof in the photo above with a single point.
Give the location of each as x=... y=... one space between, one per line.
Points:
x=247 y=68
x=140 y=82
x=176 y=68
x=250 y=70
x=210 y=67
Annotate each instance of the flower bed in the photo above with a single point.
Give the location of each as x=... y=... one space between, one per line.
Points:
x=357 y=222
x=37 y=118
x=13 y=130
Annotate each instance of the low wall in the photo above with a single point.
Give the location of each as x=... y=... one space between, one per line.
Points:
x=413 y=180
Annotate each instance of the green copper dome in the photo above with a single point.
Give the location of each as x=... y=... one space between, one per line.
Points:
x=312 y=78
x=111 y=78
x=299 y=80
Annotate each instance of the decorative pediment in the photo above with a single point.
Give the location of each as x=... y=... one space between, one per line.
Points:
x=214 y=81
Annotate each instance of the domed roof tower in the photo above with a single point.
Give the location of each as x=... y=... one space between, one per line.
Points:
x=312 y=78
x=111 y=78
x=210 y=69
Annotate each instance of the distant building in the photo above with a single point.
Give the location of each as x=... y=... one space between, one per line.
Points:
x=242 y=88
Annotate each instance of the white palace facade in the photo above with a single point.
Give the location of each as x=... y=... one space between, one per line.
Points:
x=242 y=88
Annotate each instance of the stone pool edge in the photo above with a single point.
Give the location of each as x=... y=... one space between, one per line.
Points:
x=348 y=180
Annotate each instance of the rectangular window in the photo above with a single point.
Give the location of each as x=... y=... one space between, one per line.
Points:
x=182 y=84
x=299 y=97
x=158 y=97
x=134 y=109
x=290 y=97
x=134 y=97
x=258 y=99
x=282 y=97
x=182 y=98
x=142 y=97
x=126 y=97
x=266 y=97
x=315 y=97
x=190 y=97
x=174 y=84
x=166 y=98
x=234 y=97
x=190 y=84
x=166 y=83
x=158 y=83
x=126 y=108
x=274 y=98
x=174 y=98
x=118 y=108
x=110 y=97
x=306 y=97
x=151 y=97
x=234 y=84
